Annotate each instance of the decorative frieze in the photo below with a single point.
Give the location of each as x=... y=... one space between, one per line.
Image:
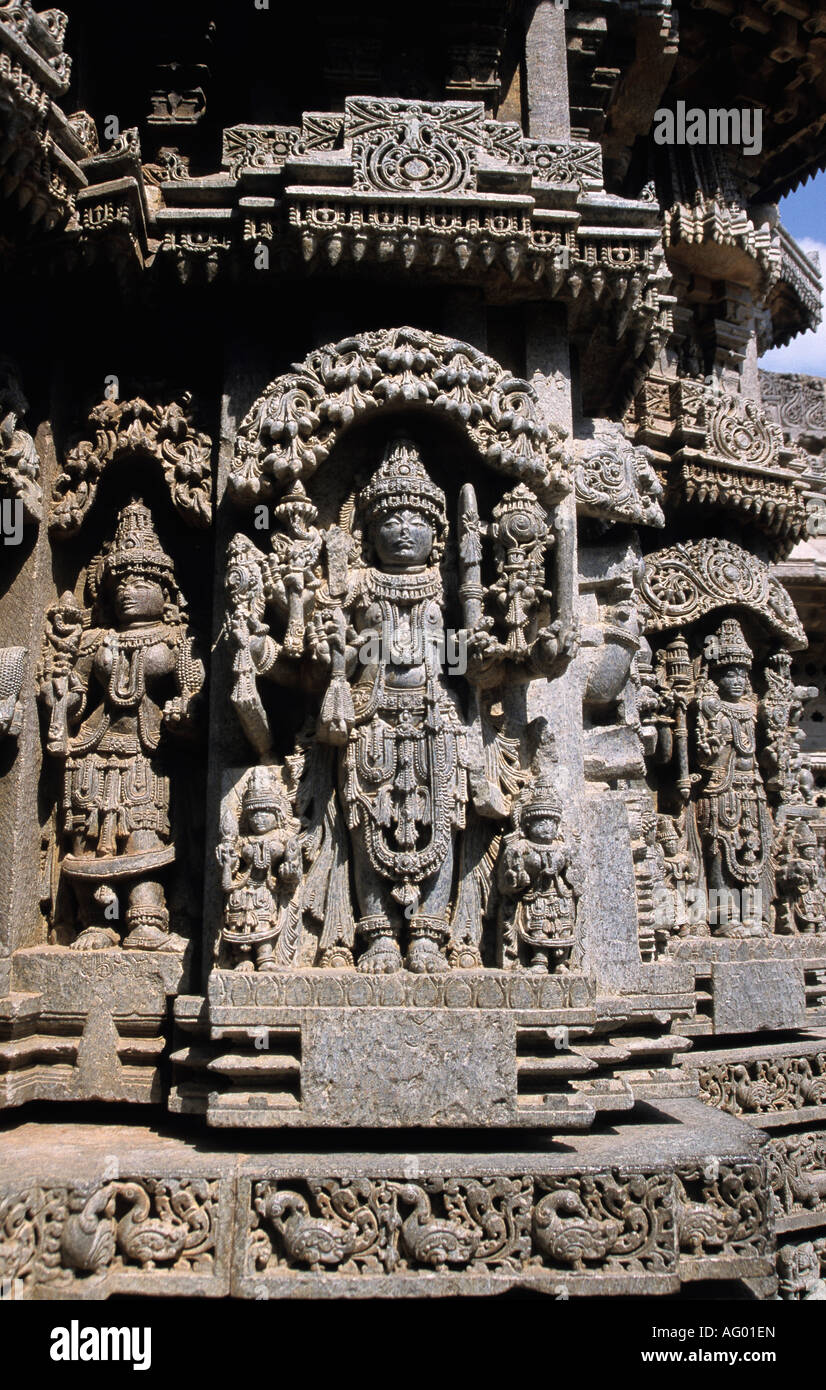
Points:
x=774 y=1086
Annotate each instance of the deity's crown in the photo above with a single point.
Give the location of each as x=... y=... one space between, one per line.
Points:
x=667 y=831
x=540 y=797
x=728 y=647
x=261 y=794
x=136 y=548
x=296 y=503
x=401 y=481
x=540 y=800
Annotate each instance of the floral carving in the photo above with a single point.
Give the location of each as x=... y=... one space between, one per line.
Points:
x=414 y=147
x=293 y=427
x=55 y=1237
x=688 y=580
x=605 y=1221
x=737 y=430
x=617 y=481
x=796 y=403
x=722 y=1209
x=122 y=430
x=368 y=1226
x=797 y=1173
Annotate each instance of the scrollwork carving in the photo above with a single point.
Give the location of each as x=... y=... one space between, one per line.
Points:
x=122 y=430
x=605 y=1221
x=685 y=581
x=765 y=1087
x=414 y=147
x=19 y=460
x=292 y=429
x=617 y=481
x=722 y=1209
x=797 y=1173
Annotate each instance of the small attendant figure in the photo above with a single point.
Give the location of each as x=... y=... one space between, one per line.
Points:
x=802 y=884
x=261 y=864
x=539 y=882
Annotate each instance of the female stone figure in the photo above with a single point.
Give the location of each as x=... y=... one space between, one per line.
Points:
x=802 y=882
x=114 y=692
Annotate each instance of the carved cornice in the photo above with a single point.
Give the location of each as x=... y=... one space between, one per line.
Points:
x=686 y=581
x=777 y=53
x=427 y=188
x=795 y=295
x=123 y=430
x=41 y=148
x=723 y=450
x=295 y=424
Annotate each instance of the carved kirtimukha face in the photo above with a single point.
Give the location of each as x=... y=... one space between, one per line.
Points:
x=731 y=682
x=403 y=538
x=137 y=598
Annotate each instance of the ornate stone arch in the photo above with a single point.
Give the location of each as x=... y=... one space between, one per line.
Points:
x=685 y=581
x=121 y=430
x=293 y=426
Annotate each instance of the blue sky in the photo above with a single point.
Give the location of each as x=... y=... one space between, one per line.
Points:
x=804 y=215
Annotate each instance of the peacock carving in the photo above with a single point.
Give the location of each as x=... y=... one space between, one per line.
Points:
x=566 y=1233
x=434 y=1240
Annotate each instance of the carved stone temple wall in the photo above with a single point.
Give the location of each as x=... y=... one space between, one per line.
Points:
x=412 y=655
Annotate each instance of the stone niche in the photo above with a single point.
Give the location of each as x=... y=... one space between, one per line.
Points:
x=422 y=913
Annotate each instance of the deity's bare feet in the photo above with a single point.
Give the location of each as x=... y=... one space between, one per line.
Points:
x=424 y=957
x=96 y=939
x=382 y=957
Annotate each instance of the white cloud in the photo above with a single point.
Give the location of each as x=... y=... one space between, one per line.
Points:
x=807 y=352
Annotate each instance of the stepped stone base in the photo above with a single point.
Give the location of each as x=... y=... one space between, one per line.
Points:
x=669 y=1196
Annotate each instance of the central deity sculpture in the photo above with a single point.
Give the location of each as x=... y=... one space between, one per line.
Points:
x=405 y=703
x=732 y=811
x=403 y=771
